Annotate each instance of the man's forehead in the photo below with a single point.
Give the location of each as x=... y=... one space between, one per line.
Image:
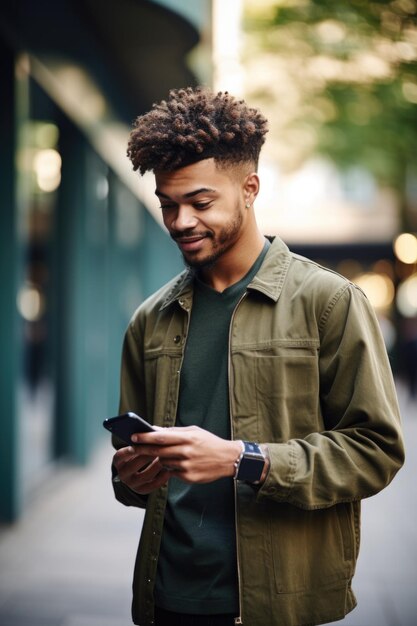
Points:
x=200 y=177
x=188 y=194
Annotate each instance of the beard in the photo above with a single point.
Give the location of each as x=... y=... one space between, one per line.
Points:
x=220 y=243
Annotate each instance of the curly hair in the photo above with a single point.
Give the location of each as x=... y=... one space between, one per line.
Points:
x=195 y=124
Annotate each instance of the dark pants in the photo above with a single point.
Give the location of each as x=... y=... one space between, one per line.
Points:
x=166 y=618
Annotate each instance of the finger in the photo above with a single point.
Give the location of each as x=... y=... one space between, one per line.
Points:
x=164 y=436
x=131 y=470
x=130 y=460
x=137 y=464
x=165 y=453
x=147 y=481
x=145 y=488
x=141 y=465
x=123 y=455
x=150 y=471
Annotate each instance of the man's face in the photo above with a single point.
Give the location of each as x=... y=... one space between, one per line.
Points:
x=203 y=210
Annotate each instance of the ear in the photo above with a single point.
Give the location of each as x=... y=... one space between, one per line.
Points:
x=251 y=187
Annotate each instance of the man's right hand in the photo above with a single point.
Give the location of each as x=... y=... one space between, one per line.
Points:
x=142 y=474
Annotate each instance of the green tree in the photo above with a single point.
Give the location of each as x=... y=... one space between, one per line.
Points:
x=339 y=78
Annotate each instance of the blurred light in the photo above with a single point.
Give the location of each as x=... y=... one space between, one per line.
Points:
x=325 y=67
x=383 y=266
x=47 y=167
x=102 y=188
x=30 y=303
x=379 y=289
x=405 y=248
x=410 y=92
x=331 y=32
x=371 y=66
x=407 y=297
x=406 y=51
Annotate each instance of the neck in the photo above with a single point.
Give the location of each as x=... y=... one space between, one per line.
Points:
x=235 y=263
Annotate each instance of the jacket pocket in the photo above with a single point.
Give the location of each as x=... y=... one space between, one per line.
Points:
x=287 y=395
x=311 y=549
x=162 y=369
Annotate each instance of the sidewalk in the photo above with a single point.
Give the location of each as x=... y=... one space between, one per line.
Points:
x=70 y=561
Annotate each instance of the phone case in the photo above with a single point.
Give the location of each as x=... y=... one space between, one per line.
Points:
x=124 y=426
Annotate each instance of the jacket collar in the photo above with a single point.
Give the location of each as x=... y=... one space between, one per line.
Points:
x=269 y=279
x=182 y=288
x=271 y=275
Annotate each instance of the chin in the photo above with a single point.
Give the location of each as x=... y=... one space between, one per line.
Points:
x=199 y=264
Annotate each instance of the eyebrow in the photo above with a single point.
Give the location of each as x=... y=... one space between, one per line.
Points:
x=190 y=194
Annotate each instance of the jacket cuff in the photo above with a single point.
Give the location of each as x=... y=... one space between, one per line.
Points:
x=124 y=494
x=283 y=466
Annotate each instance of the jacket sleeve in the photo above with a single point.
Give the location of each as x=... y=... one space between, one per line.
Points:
x=132 y=398
x=360 y=448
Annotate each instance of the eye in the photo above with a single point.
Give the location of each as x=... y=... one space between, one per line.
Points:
x=202 y=205
x=166 y=207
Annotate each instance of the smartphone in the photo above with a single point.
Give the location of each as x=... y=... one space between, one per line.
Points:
x=124 y=426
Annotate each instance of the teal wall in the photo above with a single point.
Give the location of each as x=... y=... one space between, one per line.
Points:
x=9 y=327
x=75 y=260
x=101 y=253
x=110 y=254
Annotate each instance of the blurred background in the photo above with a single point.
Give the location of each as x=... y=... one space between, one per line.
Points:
x=81 y=240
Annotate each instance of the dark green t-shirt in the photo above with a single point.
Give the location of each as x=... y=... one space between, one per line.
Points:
x=197 y=563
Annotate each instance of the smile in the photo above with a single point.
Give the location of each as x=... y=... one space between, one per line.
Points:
x=190 y=244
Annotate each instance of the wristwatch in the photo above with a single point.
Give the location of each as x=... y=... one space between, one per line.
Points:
x=250 y=464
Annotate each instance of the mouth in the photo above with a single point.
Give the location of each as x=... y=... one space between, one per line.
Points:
x=190 y=243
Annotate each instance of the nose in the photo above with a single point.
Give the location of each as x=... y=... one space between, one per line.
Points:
x=184 y=218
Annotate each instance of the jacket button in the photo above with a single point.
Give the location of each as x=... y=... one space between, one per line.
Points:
x=177 y=338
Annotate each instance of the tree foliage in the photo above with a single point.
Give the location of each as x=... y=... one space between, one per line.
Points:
x=349 y=72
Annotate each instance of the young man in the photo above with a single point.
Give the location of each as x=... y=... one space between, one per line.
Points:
x=270 y=380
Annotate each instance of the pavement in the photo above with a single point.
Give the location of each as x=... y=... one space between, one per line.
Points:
x=69 y=561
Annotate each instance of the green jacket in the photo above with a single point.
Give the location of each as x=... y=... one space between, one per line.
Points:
x=309 y=376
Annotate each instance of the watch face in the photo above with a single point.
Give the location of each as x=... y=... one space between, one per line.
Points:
x=251 y=466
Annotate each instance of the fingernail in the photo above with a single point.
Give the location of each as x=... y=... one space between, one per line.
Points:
x=134 y=438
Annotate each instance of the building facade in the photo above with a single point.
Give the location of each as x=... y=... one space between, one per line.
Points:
x=80 y=244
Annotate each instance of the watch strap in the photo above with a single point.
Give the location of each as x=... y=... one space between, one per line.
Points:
x=250 y=464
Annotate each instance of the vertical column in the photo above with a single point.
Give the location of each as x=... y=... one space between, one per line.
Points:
x=10 y=344
x=72 y=269
x=81 y=308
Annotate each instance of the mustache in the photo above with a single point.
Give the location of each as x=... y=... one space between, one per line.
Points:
x=188 y=234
